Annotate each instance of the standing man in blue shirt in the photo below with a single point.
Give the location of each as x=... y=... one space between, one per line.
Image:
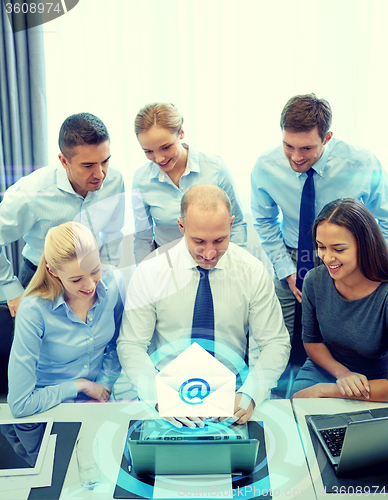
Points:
x=338 y=170
x=80 y=188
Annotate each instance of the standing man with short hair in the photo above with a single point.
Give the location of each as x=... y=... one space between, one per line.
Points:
x=162 y=315
x=309 y=169
x=80 y=188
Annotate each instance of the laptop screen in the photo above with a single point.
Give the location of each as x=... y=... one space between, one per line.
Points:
x=163 y=430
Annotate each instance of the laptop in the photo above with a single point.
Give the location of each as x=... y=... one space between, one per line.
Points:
x=353 y=441
x=156 y=447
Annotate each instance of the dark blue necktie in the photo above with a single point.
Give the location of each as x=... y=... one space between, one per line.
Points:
x=306 y=220
x=203 y=316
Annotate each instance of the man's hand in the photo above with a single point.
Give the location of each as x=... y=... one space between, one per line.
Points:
x=244 y=413
x=354 y=384
x=291 y=280
x=179 y=422
x=13 y=305
x=94 y=390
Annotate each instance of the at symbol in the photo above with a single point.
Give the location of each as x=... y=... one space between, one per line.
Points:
x=194 y=391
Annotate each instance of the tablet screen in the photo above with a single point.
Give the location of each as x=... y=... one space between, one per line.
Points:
x=22 y=447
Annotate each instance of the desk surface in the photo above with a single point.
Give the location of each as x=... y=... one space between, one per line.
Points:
x=303 y=407
x=288 y=472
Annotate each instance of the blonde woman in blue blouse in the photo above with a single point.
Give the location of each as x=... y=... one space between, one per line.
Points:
x=173 y=167
x=66 y=327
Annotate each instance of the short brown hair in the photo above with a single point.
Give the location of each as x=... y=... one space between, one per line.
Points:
x=161 y=114
x=302 y=113
x=81 y=129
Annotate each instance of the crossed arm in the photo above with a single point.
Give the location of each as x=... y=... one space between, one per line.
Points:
x=349 y=385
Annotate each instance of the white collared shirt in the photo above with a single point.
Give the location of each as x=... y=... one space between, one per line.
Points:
x=159 y=312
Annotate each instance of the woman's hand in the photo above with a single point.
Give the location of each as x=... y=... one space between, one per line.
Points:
x=353 y=384
x=315 y=391
x=94 y=390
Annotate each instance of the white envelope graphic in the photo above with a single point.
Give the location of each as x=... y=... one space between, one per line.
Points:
x=195 y=384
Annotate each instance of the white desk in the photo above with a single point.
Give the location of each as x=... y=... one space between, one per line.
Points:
x=303 y=407
x=288 y=472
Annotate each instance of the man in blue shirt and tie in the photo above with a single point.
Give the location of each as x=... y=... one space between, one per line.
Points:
x=80 y=188
x=326 y=167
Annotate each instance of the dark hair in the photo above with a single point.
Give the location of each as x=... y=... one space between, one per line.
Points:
x=302 y=113
x=80 y=129
x=372 y=251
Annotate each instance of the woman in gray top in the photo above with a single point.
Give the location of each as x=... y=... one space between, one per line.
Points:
x=345 y=307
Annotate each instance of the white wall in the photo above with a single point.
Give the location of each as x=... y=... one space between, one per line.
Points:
x=229 y=66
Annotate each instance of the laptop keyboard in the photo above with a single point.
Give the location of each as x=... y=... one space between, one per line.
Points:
x=334 y=439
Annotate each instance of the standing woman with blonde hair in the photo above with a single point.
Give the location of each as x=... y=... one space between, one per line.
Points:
x=173 y=168
x=66 y=327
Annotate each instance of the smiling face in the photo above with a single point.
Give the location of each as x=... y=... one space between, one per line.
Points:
x=164 y=148
x=337 y=248
x=207 y=233
x=303 y=149
x=88 y=167
x=80 y=279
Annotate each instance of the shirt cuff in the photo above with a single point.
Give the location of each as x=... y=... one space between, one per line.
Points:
x=68 y=390
x=284 y=268
x=11 y=290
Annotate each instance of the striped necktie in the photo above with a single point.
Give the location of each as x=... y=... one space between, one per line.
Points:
x=203 y=316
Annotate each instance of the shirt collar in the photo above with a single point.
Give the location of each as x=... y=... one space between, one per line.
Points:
x=193 y=159
x=100 y=291
x=192 y=166
x=63 y=182
x=320 y=165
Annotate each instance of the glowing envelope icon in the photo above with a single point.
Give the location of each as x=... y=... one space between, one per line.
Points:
x=195 y=384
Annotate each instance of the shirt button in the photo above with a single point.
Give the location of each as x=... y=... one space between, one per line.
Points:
x=91 y=339
x=90 y=319
x=85 y=366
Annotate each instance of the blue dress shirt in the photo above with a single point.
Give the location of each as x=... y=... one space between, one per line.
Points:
x=44 y=199
x=53 y=346
x=343 y=171
x=156 y=200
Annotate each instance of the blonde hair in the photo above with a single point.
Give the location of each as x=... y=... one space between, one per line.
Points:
x=161 y=114
x=63 y=243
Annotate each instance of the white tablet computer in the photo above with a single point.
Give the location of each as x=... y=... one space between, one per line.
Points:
x=23 y=446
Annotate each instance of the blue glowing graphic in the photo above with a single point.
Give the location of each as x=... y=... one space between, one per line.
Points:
x=194 y=391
